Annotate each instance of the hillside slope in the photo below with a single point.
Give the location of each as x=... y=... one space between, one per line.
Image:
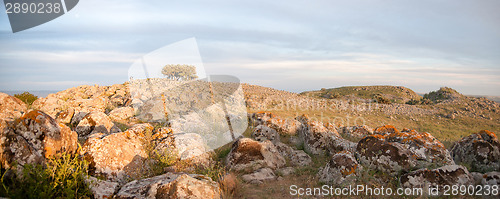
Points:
x=398 y=94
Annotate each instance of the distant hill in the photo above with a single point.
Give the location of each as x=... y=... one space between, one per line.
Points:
x=397 y=94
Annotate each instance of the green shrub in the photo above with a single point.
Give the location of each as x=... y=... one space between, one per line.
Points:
x=381 y=99
x=61 y=177
x=26 y=97
x=215 y=170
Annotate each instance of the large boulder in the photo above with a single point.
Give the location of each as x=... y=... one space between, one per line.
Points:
x=386 y=129
x=316 y=137
x=402 y=151
x=33 y=138
x=117 y=156
x=101 y=189
x=171 y=185
x=480 y=150
x=96 y=122
x=282 y=126
x=11 y=107
x=341 y=169
x=263 y=133
x=248 y=155
x=447 y=175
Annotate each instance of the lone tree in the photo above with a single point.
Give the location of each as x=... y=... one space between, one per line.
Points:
x=179 y=72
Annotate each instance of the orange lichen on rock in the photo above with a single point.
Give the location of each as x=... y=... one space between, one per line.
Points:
x=386 y=129
x=32 y=115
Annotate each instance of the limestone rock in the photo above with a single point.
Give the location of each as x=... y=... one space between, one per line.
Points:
x=446 y=175
x=402 y=151
x=65 y=116
x=121 y=114
x=96 y=122
x=11 y=107
x=297 y=157
x=342 y=168
x=315 y=135
x=101 y=189
x=259 y=176
x=338 y=144
x=491 y=178
x=190 y=146
x=170 y=185
x=480 y=150
x=263 y=133
x=33 y=138
x=282 y=126
x=116 y=156
x=356 y=131
x=247 y=154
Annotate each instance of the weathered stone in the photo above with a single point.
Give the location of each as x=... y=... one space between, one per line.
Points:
x=170 y=185
x=491 y=179
x=296 y=157
x=446 y=175
x=259 y=176
x=65 y=116
x=33 y=138
x=356 y=131
x=282 y=126
x=101 y=189
x=96 y=122
x=122 y=113
x=247 y=154
x=337 y=144
x=341 y=169
x=190 y=146
x=263 y=133
x=11 y=107
x=286 y=171
x=315 y=135
x=116 y=156
x=402 y=151
x=480 y=150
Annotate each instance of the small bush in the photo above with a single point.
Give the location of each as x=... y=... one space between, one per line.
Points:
x=381 y=99
x=215 y=171
x=26 y=97
x=61 y=177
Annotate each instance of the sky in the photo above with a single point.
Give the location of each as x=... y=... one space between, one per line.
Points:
x=293 y=45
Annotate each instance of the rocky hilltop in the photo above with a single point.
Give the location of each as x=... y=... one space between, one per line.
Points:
x=443 y=138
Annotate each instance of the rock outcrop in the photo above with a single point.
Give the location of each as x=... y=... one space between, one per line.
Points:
x=282 y=126
x=480 y=150
x=259 y=176
x=402 y=151
x=296 y=157
x=121 y=114
x=249 y=155
x=263 y=133
x=117 y=156
x=11 y=107
x=316 y=137
x=446 y=175
x=33 y=138
x=96 y=122
x=171 y=185
x=341 y=169
x=356 y=131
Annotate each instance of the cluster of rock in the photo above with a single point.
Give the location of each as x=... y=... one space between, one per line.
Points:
x=417 y=158
x=115 y=157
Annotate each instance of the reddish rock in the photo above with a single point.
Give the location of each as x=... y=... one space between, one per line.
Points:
x=281 y=125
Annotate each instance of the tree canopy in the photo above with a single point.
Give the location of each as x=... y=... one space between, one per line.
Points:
x=179 y=72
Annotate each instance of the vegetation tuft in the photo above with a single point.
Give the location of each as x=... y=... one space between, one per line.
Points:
x=62 y=177
x=26 y=97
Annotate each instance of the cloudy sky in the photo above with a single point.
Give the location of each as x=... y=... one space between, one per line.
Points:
x=291 y=45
